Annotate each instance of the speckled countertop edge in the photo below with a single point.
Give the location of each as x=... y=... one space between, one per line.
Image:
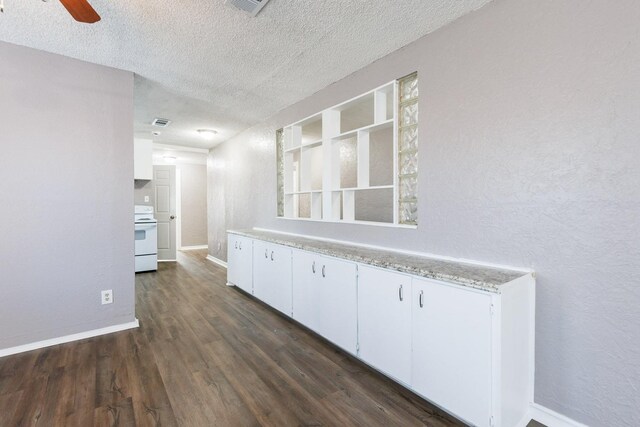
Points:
x=470 y=275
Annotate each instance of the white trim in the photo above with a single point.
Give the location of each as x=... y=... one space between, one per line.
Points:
x=402 y=251
x=180 y=148
x=68 y=338
x=193 y=248
x=549 y=417
x=217 y=261
x=167 y=260
x=345 y=221
x=178 y=208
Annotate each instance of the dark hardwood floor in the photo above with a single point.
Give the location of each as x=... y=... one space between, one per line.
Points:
x=204 y=355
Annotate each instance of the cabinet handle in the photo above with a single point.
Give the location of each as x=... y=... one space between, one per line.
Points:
x=313 y=267
x=421 y=299
x=265 y=253
x=271 y=255
x=400 y=293
x=236 y=244
x=240 y=246
x=323 y=271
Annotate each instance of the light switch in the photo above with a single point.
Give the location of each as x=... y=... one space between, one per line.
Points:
x=146 y=199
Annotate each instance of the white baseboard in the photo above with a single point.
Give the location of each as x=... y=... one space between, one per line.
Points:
x=68 y=338
x=551 y=418
x=217 y=261
x=167 y=260
x=193 y=248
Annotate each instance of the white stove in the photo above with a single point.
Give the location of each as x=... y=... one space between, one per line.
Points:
x=146 y=239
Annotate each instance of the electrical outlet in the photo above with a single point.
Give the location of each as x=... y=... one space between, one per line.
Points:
x=146 y=199
x=107 y=297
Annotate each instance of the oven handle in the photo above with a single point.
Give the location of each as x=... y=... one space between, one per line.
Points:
x=145 y=227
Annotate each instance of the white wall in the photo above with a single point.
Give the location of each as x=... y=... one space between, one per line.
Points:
x=529 y=148
x=194 y=204
x=191 y=164
x=66 y=132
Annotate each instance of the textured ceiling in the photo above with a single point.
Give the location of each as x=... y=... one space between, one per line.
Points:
x=206 y=64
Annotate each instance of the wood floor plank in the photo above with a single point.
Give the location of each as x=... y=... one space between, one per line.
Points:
x=151 y=403
x=112 y=376
x=29 y=408
x=115 y=414
x=13 y=369
x=8 y=406
x=205 y=355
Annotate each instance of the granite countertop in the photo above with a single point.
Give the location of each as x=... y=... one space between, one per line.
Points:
x=475 y=276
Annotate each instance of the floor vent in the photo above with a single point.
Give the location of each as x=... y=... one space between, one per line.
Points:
x=251 y=6
x=163 y=123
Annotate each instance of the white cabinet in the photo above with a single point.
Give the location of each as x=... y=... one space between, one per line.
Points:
x=240 y=262
x=272 y=275
x=452 y=349
x=325 y=297
x=142 y=159
x=468 y=351
x=384 y=321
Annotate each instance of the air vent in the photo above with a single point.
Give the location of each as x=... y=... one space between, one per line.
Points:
x=251 y=6
x=163 y=123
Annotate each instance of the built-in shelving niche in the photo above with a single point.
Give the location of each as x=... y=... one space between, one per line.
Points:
x=343 y=164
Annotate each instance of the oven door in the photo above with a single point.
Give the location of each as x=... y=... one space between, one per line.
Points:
x=146 y=239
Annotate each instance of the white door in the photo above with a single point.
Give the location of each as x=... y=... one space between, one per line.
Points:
x=451 y=362
x=384 y=321
x=164 y=183
x=272 y=272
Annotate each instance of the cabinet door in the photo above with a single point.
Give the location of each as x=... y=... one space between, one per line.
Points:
x=272 y=272
x=240 y=262
x=338 y=301
x=325 y=297
x=245 y=248
x=142 y=159
x=384 y=321
x=451 y=338
x=306 y=305
x=233 y=259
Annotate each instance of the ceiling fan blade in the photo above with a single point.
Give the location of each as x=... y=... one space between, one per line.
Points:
x=81 y=11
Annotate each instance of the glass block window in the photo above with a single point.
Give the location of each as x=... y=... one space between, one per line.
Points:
x=408 y=149
x=280 y=172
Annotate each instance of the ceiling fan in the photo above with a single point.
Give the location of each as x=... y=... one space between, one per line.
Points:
x=80 y=10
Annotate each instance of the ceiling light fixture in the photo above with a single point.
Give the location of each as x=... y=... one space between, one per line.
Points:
x=207 y=133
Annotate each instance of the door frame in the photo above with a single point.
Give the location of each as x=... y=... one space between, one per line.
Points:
x=178 y=209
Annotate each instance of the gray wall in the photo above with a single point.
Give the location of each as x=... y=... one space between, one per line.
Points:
x=194 y=204
x=529 y=148
x=66 y=132
x=142 y=188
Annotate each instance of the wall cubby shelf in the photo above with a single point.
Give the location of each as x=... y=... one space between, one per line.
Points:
x=346 y=163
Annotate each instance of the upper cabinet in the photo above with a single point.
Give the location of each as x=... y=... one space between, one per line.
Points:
x=142 y=159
